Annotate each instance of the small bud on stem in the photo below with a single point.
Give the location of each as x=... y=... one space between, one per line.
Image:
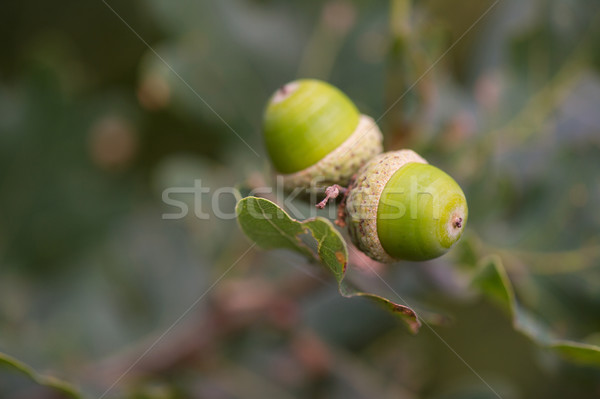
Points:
x=331 y=192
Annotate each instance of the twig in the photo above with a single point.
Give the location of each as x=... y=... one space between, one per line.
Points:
x=196 y=341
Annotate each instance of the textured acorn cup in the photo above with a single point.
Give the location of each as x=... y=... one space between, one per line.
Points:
x=402 y=208
x=315 y=135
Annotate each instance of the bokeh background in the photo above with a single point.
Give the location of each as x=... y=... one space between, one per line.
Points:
x=103 y=105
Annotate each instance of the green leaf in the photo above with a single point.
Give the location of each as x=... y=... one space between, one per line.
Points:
x=493 y=281
x=578 y=352
x=66 y=389
x=270 y=227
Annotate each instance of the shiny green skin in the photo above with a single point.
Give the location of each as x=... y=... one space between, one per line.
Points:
x=307 y=125
x=409 y=226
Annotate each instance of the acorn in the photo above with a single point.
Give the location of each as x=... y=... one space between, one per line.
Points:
x=315 y=136
x=401 y=208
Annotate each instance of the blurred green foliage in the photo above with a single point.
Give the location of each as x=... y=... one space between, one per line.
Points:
x=95 y=124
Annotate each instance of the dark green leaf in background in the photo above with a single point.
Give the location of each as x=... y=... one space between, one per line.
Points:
x=61 y=388
x=493 y=281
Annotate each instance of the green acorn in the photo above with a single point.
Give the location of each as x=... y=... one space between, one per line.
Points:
x=400 y=207
x=315 y=136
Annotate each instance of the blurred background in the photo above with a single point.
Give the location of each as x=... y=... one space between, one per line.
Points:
x=104 y=105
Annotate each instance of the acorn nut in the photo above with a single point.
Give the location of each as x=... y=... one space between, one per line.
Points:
x=316 y=137
x=400 y=207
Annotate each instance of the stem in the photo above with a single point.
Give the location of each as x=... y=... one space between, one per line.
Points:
x=341 y=212
x=400 y=72
x=325 y=43
x=399 y=17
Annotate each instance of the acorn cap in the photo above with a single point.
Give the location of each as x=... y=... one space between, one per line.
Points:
x=343 y=162
x=363 y=200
